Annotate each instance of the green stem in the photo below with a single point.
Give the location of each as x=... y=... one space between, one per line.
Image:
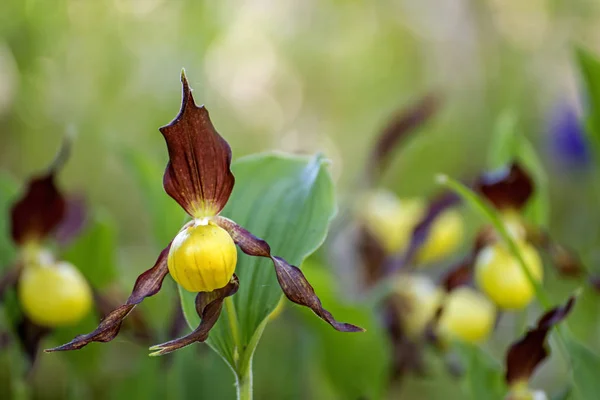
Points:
x=243 y=369
x=234 y=324
x=244 y=385
x=245 y=362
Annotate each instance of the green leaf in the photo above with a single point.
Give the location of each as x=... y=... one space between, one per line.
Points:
x=93 y=252
x=585 y=365
x=504 y=141
x=484 y=375
x=287 y=201
x=538 y=207
x=8 y=191
x=589 y=66
x=356 y=365
x=166 y=215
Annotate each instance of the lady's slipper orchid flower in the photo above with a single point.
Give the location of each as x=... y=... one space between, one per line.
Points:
x=496 y=270
x=202 y=257
x=51 y=293
x=391 y=222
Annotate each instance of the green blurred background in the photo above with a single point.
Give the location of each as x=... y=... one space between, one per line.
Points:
x=297 y=76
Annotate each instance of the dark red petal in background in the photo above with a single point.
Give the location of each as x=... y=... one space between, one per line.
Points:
x=42 y=207
x=291 y=279
x=38 y=212
x=146 y=285
x=208 y=307
x=198 y=174
x=509 y=187
x=372 y=256
x=407 y=355
x=74 y=220
x=459 y=274
x=399 y=128
x=525 y=355
x=30 y=335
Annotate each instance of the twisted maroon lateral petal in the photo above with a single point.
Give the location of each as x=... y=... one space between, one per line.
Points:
x=291 y=279
x=136 y=325
x=42 y=207
x=508 y=187
x=198 y=174
x=524 y=356
x=146 y=285
x=208 y=307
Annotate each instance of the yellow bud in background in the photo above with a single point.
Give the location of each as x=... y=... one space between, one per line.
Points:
x=54 y=294
x=391 y=220
x=467 y=315
x=499 y=274
x=445 y=236
x=419 y=300
x=202 y=258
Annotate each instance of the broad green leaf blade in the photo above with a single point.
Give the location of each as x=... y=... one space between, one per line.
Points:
x=584 y=366
x=166 y=215
x=357 y=366
x=289 y=202
x=484 y=375
x=503 y=147
x=8 y=191
x=589 y=66
x=93 y=252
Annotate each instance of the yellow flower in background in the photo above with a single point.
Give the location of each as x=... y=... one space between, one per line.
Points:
x=392 y=221
x=500 y=276
x=419 y=299
x=54 y=293
x=467 y=315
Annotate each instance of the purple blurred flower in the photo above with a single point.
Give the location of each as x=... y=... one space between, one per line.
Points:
x=567 y=142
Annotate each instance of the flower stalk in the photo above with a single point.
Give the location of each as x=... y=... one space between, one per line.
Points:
x=234 y=325
x=244 y=385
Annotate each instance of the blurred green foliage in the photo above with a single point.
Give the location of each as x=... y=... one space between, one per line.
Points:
x=305 y=77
